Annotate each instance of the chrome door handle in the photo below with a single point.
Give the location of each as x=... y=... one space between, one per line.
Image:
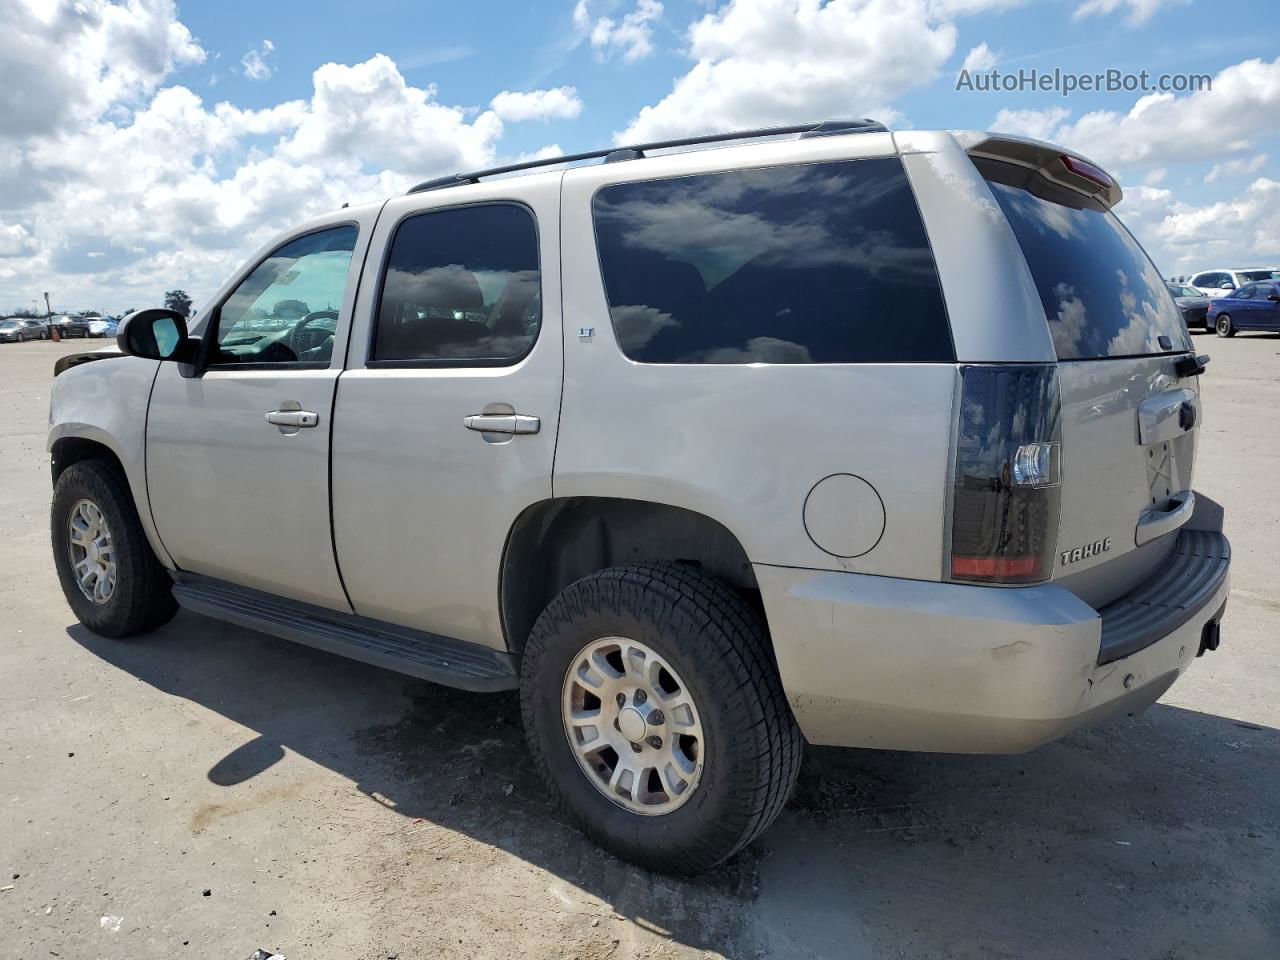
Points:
x=292 y=418
x=502 y=423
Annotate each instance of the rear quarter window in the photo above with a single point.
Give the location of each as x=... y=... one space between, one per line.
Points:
x=813 y=263
x=1101 y=293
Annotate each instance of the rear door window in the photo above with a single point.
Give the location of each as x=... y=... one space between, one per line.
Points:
x=813 y=263
x=1101 y=293
x=462 y=288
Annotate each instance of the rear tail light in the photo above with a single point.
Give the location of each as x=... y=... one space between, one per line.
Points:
x=1008 y=474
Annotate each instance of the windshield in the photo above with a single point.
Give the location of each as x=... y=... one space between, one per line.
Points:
x=1248 y=275
x=1102 y=295
x=8 y=324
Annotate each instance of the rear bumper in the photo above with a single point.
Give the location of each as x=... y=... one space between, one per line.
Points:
x=911 y=665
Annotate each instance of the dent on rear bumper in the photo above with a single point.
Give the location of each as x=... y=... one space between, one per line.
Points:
x=912 y=665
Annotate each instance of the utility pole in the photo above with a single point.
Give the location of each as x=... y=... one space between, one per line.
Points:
x=48 y=310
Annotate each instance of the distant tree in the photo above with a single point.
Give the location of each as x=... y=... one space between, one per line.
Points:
x=290 y=309
x=23 y=312
x=179 y=301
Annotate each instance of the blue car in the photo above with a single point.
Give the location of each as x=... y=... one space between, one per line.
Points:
x=1253 y=306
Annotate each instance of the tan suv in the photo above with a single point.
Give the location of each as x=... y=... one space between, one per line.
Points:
x=825 y=432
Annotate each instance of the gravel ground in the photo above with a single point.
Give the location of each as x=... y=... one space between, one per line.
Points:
x=205 y=790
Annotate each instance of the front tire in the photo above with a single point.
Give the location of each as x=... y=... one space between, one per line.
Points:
x=682 y=791
x=111 y=578
x=1224 y=326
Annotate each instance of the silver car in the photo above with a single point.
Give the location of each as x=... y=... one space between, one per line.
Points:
x=825 y=433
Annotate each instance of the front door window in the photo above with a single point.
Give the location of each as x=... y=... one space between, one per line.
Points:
x=286 y=310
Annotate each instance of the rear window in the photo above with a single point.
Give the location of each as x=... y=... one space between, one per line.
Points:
x=814 y=263
x=1101 y=293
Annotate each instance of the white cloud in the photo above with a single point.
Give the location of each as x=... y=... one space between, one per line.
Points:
x=367 y=114
x=1183 y=237
x=1155 y=177
x=630 y=38
x=556 y=103
x=94 y=211
x=63 y=63
x=784 y=61
x=1231 y=168
x=1139 y=11
x=1037 y=124
x=15 y=240
x=1164 y=128
x=981 y=57
x=254 y=63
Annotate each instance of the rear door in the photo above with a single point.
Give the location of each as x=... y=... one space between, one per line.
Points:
x=1129 y=422
x=445 y=424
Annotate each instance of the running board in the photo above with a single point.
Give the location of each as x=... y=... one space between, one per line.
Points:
x=454 y=663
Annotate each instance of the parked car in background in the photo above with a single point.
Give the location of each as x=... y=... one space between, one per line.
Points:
x=1220 y=282
x=103 y=326
x=69 y=325
x=1193 y=305
x=1254 y=306
x=14 y=330
x=23 y=328
x=39 y=326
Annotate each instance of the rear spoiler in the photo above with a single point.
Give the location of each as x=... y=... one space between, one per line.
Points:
x=1063 y=167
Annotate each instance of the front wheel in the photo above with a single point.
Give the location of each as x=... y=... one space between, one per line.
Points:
x=654 y=711
x=1224 y=326
x=111 y=578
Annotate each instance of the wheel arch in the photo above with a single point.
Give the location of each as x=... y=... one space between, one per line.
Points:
x=74 y=443
x=554 y=542
x=69 y=450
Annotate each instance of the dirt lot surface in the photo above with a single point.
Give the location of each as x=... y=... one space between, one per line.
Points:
x=204 y=791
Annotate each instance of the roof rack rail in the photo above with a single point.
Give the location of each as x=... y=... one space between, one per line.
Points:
x=637 y=151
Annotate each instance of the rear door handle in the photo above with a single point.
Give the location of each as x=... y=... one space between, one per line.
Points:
x=293 y=419
x=502 y=423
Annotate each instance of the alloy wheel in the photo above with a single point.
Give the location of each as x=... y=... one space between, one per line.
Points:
x=93 y=557
x=633 y=726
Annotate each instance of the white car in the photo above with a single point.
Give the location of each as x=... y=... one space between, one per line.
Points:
x=833 y=434
x=1220 y=281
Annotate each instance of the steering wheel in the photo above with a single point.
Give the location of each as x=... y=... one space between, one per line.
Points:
x=303 y=340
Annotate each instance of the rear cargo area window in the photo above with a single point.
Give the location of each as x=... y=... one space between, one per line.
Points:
x=813 y=263
x=1101 y=293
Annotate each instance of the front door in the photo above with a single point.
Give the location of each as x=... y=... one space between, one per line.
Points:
x=445 y=422
x=238 y=455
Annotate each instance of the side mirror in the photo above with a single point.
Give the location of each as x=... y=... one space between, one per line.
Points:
x=157 y=334
x=1228 y=285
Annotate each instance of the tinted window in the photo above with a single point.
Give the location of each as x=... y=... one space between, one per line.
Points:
x=1245 y=292
x=461 y=286
x=820 y=263
x=286 y=310
x=1101 y=293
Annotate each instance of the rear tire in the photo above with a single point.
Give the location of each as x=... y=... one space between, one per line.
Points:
x=747 y=745
x=1224 y=326
x=110 y=576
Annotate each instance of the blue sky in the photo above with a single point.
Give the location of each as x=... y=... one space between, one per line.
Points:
x=244 y=117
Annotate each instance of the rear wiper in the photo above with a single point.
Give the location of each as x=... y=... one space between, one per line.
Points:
x=1191 y=366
